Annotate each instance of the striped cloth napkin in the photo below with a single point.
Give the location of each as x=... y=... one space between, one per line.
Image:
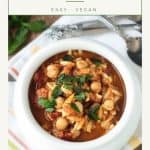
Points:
x=16 y=140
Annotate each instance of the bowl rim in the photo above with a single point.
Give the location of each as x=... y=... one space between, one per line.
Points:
x=123 y=68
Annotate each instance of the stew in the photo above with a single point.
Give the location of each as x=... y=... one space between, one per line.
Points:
x=77 y=95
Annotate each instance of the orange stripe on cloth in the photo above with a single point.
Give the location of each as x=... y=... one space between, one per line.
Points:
x=18 y=140
x=14 y=71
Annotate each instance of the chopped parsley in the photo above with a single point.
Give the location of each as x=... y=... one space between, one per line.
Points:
x=96 y=61
x=75 y=107
x=83 y=79
x=68 y=79
x=49 y=109
x=64 y=79
x=68 y=58
x=45 y=103
x=81 y=96
x=92 y=113
x=49 y=105
x=57 y=92
x=68 y=86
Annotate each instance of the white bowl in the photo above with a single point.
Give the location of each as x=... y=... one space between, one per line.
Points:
x=113 y=140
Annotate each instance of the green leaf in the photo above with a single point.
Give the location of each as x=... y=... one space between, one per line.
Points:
x=68 y=79
x=18 y=40
x=16 y=21
x=45 y=103
x=75 y=107
x=68 y=58
x=35 y=26
x=81 y=96
x=65 y=79
x=77 y=89
x=96 y=61
x=61 y=78
x=57 y=92
x=92 y=113
x=83 y=79
x=49 y=109
x=68 y=86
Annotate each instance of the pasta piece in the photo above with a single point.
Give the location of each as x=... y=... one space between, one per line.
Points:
x=108 y=105
x=81 y=64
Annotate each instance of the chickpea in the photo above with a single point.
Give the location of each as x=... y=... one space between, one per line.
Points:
x=108 y=105
x=80 y=106
x=61 y=123
x=53 y=71
x=96 y=86
x=59 y=102
x=81 y=64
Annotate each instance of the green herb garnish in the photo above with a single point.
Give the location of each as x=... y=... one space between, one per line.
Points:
x=45 y=103
x=83 y=79
x=77 y=89
x=97 y=62
x=68 y=86
x=92 y=113
x=49 y=109
x=57 y=92
x=68 y=79
x=68 y=58
x=81 y=96
x=74 y=83
x=65 y=79
x=75 y=107
x=50 y=104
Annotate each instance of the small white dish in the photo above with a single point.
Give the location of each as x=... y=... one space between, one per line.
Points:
x=113 y=140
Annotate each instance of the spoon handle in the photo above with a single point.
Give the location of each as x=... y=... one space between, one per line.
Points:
x=112 y=25
x=134 y=45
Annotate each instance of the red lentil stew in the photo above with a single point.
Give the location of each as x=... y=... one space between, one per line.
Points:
x=77 y=95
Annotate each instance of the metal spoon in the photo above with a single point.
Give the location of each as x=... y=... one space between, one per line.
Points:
x=134 y=44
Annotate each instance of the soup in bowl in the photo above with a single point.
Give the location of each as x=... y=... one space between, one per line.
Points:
x=77 y=94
